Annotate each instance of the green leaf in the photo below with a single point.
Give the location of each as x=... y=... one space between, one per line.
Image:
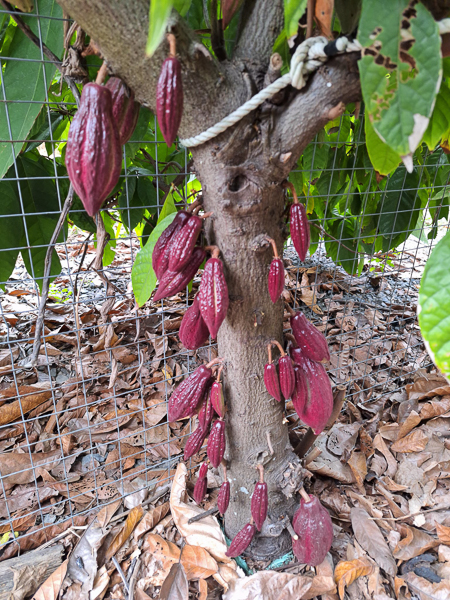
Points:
x=315 y=158
x=143 y=277
x=434 y=305
x=80 y=217
x=11 y=227
x=293 y=11
x=168 y=208
x=139 y=133
x=24 y=79
x=383 y=158
x=108 y=254
x=182 y=6
x=440 y=119
x=399 y=81
x=159 y=17
x=343 y=251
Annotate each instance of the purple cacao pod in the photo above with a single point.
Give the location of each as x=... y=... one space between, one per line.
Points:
x=183 y=243
x=201 y=484
x=313 y=525
x=216 y=443
x=213 y=295
x=193 y=331
x=287 y=376
x=319 y=402
x=300 y=233
x=241 y=541
x=188 y=395
x=125 y=109
x=301 y=391
x=173 y=282
x=276 y=279
x=259 y=504
x=217 y=398
x=169 y=99
x=93 y=150
x=223 y=499
x=271 y=381
x=310 y=340
x=194 y=442
x=206 y=413
x=160 y=255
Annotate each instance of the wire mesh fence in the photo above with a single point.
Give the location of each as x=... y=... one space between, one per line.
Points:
x=87 y=424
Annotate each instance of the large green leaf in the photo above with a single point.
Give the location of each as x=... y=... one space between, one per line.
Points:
x=143 y=277
x=440 y=119
x=293 y=11
x=158 y=18
x=383 y=158
x=400 y=70
x=434 y=305
x=11 y=228
x=24 y=79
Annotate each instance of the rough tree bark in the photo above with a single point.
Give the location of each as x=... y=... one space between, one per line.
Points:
x=241 y=171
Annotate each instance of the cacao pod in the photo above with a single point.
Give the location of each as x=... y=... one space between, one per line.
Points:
x=124 y=108
x=259 y=504
x=313 y=525
x=310 y=340
x=271 y=381
x=319 y=402
x=276 y=279
x=173 y=282
x=206 y=413
x=217 y=398
x=183 y=243
x=229 y=9
x=160 y=255
x=287 y=376
x=300 y=233
x=169 y=99
x=93 y=151
x=193 y=331
x=223 y=499
x=301 y=392
x=201 y=484
x=213 y=295
x=241 y=541
x=194 y=442
x=187 y=396
x=216 y=443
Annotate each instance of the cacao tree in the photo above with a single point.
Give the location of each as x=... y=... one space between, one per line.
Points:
x=248 y=174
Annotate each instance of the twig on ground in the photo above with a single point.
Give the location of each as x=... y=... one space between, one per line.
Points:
x=121 y=573
x=203 y=515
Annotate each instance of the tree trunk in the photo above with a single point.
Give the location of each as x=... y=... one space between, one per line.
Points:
x=241 y=172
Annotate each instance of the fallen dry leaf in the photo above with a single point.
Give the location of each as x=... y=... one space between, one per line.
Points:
x=426 y=590
x=358 y=465
x=413 y=442
x=443 y=533
x=30 y=396
x=101 y=583
x=133 y=519
x=203 y=589
x=49 y=590
x=414 y=543
x=175 y=586
x=348 y=571
x=371 y=539
x=380 y=445
x=151 y=519
x=17 y=468
x=435 y=408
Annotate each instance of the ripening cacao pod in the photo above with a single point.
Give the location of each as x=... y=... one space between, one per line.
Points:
x=216 y=443
x=319 y=403
x=194 y=442
x=213 y=295
x=223 y=499
x=201 y=484
x=183 y=243
x=206 y=413
x=300 y=233
x=169 y=99
x=300 y=395
x=313 y=525
x=217 y=398
x=271 y=381
x=276 y=279
x=93 y=151
x=287 y=376
x=229 y=9
x=124 y=108
x=187 y=396
x=160 y=255
x=193 y=331
x=310 y=340
x=173 y=282
x=241 y=541
x=259 y=504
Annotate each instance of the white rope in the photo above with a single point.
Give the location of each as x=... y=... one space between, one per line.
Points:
x=307 y=58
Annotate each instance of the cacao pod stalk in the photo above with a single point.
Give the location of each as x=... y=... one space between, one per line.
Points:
x=169 y=95
x=93 y=150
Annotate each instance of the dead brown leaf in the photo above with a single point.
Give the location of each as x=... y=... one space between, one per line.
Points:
x=16 y=468
x=380 y=445
x=358 y=465
x=414 y=543
x=435 y=408
x=347 y=571
x=49 y=590
x=371 y=539
x=411 y=421
x=443 y=533
x=151 y=519
x=426 y=590
x=29 y=397
x=426 y=387
x=134 y=516
x=175 y=586
x=415 y=441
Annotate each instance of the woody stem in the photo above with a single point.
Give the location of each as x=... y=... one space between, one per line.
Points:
x=279 y=346
x=172 y=44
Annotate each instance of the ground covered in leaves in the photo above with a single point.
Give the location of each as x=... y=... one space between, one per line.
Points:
x=95 y=496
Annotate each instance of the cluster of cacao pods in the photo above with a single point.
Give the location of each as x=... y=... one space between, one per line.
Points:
x=279 y=382
x=169 y=95
x=314 y=530
x=105 y=120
